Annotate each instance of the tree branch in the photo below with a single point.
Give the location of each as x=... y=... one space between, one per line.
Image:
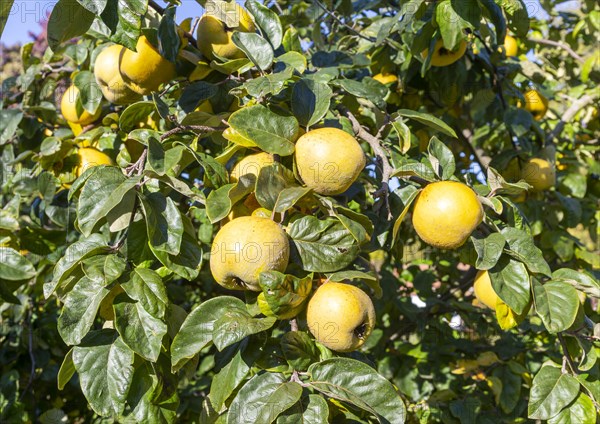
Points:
x=569 y=114
x=466 y=136
x=185 y=128
x=563 y=46
x=345 y=25
x=381 y=154
x=497 y=84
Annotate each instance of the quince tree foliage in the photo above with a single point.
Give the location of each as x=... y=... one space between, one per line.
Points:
x=117 y=305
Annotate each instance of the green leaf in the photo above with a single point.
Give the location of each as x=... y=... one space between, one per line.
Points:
x=488 y=249
x=581 y=280
x=235 y=325
x=152 y=395
x=66 y=371
x=68 y=20
x=404 y=135
x=420 y=169
x=228 y=379
x=310 y=410
x=9 y=122
x=89 y=91
x=196 y=93
x=135 y=114
x=75 y=253
x=187 y=262
x=288 y=197
x=581 y=411
x=267 y=21
x=469 y=11
x=576 y=184
x=168 y=39
x=80 y=308
x=268 y=84
x=510 y=281
x=139 y=330
x=105 y=367
x=214 y=172
x=556 y=302
x=269 y=395
x=324 y=245
x=291 y=40
x=285 y=294
x=124 y=19
x=499 y=185
x=299 y=349
x=450 y=23
x=310 y=101
x=519 y=120
x=270 y=184
x=258 y=50
x=373 y=90
x=402 y=215
x=94 y=6
x=160 y=161
x=271 y=132
x=441 y=158
x=178 y=185
x=102 y=192
x=331 y=59
x=163 y=222
x=293 y=59
x=197 y=329
x=429 y=120
x=551 y=391
x=511 y=388
x=219 y=202
x=5 y=8
x=14 y=266
x=147 y=288
x=517 y=16
x=357 y=383
x=494 y=12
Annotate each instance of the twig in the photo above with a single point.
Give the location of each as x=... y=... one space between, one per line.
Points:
x=567 y=355
x=294 y=324
x=563 y=46
x=185 y=128
x=138 y=166
x=381 y=154
x=345 y=25
x=465 y=281
x=568 y=115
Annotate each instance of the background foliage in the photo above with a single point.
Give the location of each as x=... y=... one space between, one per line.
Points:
x=175 y=346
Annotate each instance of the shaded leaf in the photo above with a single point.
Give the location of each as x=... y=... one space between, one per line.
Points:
x=263 y=398
x=357 y=383
x=551 y=391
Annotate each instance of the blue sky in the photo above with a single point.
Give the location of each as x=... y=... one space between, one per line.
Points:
x=26 y=15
